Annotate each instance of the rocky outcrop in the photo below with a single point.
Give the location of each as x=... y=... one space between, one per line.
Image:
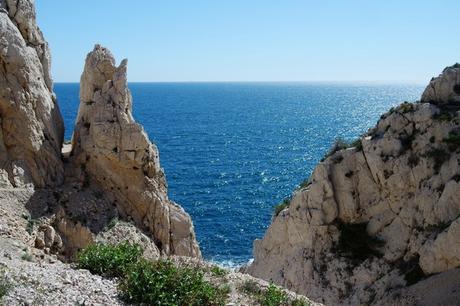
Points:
x=445 y=88
x=111 y=150
x=380 y=215
x=31 y=127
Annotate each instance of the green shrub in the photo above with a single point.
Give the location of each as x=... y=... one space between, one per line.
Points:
x=5 y=286
x=112 y=223
x=218 y=271
x=30 y=223
x=273 y=296
x=453 y=141
x=340 y=144
x=300 y=302
x=27 y=257
x=162 y=283
x=355 y=243
x=406 y=107
x=440 y=156
x=443 y=116
x=250 y=287
x=109 y=260
x=281 y=206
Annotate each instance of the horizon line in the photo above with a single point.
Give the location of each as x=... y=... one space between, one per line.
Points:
x=383 y=82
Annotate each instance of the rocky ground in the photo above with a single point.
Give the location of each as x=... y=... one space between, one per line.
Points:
x=38 y=274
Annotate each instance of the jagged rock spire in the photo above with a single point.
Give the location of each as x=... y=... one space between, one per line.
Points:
x=113 y=151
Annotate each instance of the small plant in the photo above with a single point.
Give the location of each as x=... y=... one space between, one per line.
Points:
x=67 y=141
x=443 y=116
x=250 y=287
x=300 y=302
x=341 y=144
x=413 y=160
x=281 y=206
x=456 y=178
x=162 y=283
x=273 y=296
x=305 y=183
x=440 y=156
x=112 y=223
x=218 y=271
x=109 y=260
x=406 y=107
x=453 y=141
x=27 y=257
x=355 y=243
x=5 y=286
x=357 y=144
x=30 y=223
x=406 y=142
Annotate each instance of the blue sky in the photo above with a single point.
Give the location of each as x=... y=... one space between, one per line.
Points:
x=256 y=40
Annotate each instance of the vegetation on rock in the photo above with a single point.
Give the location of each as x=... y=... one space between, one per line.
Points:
x=109 y=260
x=281 y=206
x=158 y=282
x=163 y=283
x=5 y=286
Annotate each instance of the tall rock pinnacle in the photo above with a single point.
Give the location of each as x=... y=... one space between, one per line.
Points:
x=114 y=151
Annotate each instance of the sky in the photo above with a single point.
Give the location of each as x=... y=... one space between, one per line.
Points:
x=256 y=40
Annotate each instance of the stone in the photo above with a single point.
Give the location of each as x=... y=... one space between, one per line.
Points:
x=114 y=152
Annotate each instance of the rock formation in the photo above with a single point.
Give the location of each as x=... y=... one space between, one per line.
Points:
x=381 y=215
x=31 y=127
x=110 y=149
x=114 y=170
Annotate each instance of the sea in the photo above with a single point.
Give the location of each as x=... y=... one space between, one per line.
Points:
x=232 y=151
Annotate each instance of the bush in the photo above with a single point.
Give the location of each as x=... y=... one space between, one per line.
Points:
x=27 y=257
x=340 y=144
x=151 y=282
x=443 y=116
x=281 y=206
x=355 y=243
x=440 y=156
x=453 y=141
x=109 y=260
x=162 y=283
x=250 y=287
x=273 y=296
x=218 y=271
x=5 y=286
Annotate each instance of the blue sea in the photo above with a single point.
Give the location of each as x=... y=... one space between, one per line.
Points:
x=232 y=151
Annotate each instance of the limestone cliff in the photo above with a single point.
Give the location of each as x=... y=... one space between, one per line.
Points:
x=111 y=150
x=377 y=216
x=114 y=171
x=31 y=127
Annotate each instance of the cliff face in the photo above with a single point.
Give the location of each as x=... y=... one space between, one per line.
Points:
x=113 y=171
x=381 y=215
x=31 y=127
x=111 y=150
